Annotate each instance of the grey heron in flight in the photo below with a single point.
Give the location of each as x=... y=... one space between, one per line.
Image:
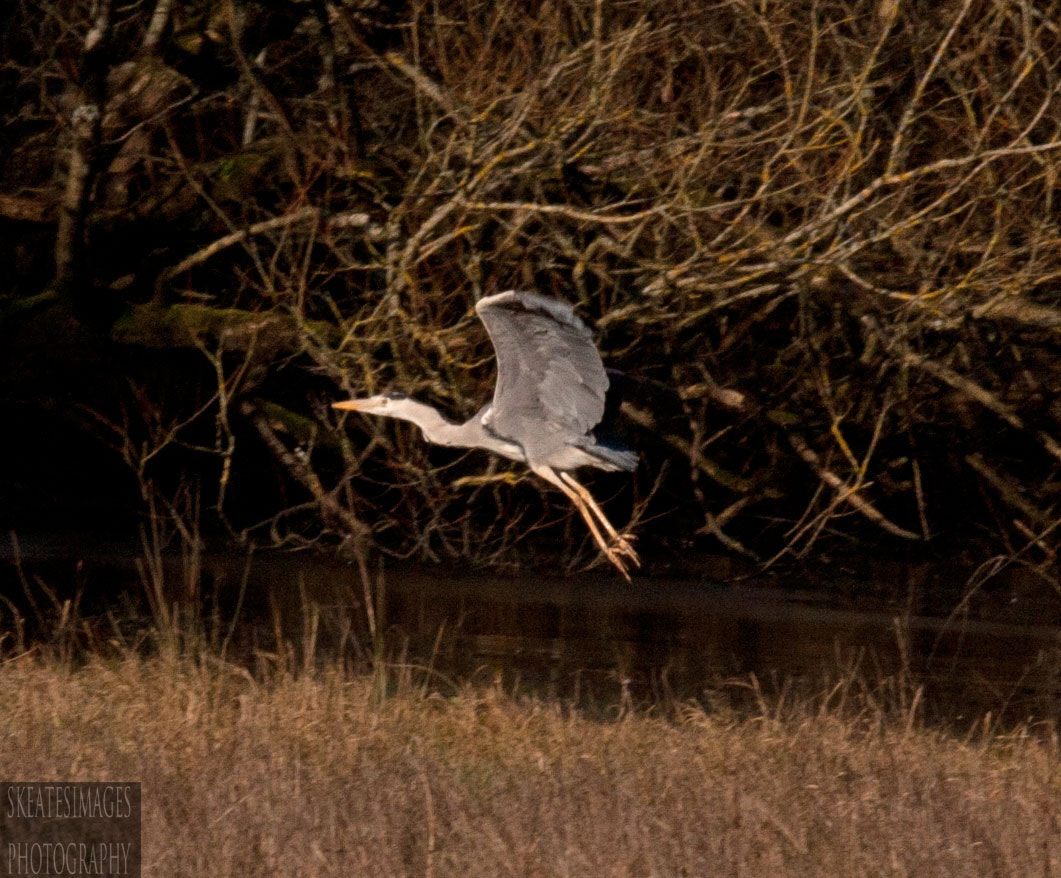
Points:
x=548 y=399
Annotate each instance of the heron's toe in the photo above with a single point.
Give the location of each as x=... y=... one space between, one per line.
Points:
x=618 y=562
x=623 y=546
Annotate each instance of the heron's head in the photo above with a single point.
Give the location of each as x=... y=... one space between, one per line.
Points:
x=392 y=405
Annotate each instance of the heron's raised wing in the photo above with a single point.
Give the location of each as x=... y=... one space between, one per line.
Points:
x=550 y=379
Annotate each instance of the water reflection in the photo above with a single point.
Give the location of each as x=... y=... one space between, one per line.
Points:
x=589 y=637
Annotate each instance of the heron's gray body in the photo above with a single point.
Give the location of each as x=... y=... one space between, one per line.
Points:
x=549 y=397
x=551 y=384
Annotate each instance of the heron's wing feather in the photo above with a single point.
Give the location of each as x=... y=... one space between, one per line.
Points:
x=550 y=379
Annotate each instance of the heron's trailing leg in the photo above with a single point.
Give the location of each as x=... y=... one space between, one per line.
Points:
x=612 y=553
x=621 y=541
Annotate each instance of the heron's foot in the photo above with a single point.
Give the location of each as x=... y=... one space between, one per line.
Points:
x=623 y=545
x=619 y=561
x=622 y=554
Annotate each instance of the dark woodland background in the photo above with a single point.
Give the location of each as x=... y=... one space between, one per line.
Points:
x=821 y=238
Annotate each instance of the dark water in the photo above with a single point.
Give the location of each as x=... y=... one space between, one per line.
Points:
x=602 y=638
x=598 y=640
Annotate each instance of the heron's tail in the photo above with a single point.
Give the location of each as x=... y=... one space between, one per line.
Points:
x=613 y=455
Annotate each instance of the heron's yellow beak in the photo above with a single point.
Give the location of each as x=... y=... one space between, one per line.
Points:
x=348 y=404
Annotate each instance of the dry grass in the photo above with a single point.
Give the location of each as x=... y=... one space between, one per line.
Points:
x=316 y=775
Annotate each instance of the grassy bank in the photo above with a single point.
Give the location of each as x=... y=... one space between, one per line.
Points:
x=315 y=774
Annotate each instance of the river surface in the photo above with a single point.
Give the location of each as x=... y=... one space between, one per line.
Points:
x=599 y=641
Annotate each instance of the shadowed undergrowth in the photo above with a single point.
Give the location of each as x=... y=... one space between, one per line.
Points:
x=821 y=238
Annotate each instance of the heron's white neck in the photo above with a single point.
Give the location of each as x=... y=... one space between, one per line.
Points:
x=434 y=427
